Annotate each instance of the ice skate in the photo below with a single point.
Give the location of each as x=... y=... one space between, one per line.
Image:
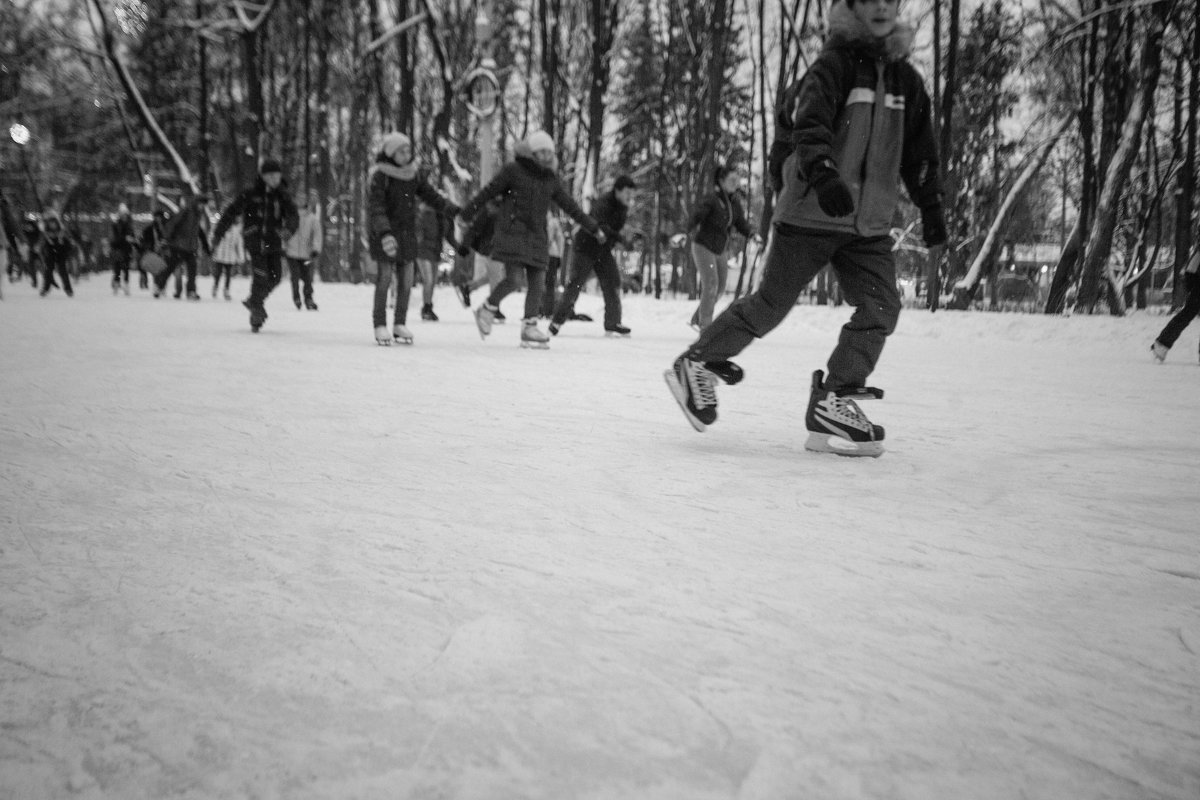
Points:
x=616 y=331
x=258 y=315
x=402 y=335
x=116 y=289
x=497 y=317
x=531 y=337
x=310 y=305
x=484 y=316
x=691 y=384
x=427 y=313
x=729 y=372
x=464 y=294
x=1159 y=351
x=837 y=425
x=227 y=296
x=381 y=336
x=554 y=328
x=193 y=297
x=214 y=297
x=126 y=286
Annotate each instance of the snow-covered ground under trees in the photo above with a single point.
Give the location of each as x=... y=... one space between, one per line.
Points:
x=297 y=565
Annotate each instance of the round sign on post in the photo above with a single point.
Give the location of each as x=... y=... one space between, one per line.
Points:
x=482 y=89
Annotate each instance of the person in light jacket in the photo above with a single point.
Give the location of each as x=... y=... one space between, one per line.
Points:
x=303 y=249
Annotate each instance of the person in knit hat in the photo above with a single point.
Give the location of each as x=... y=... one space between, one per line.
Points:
x=395 y=183
x=123 y=242
x=269 y=218
x=524 y=188
x=847 y=133
x=182 y=234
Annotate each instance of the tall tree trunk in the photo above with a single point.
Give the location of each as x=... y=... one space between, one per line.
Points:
x=204 y=167
x=604 y=28
x=549 y=12
x=1100 y=242
x=1185 y=199
x=950 y=177
x=405 y=46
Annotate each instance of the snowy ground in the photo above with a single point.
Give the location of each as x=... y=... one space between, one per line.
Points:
x=297 y=565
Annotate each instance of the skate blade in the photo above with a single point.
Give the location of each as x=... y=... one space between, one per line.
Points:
x=680 y=396
x=828 y=443
x=402 y=339
x=383 y=342
x=615 y=335
x=535 y=345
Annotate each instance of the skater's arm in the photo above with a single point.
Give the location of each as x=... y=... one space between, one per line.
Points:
x=497 y=186
x=740 y=223
x=700 y=215
x=377 y=217
x=562 y=198
x=819 y=101
x=435 y=199
x=919 y=163
x=231 y=212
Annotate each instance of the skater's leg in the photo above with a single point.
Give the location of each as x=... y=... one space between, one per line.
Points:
x=383 y=280
x=535 y=280
x=294 y=265
x=1191 y=308
x=404 y=281
x=306 y=278
x=550 y=286
x=866 y=271
x=428 y=276
x=795 y=256
x=189 y=261
x=707 y=273
x=266 y=272
x=581 y=271
x=64 y=273
x=608 y=275
x=506 y=286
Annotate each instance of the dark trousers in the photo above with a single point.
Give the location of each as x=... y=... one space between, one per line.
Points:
x=120 y=260
x=548 y=294
x=535 y=282
x=404 y=283
x=1182 y=318
x=266 y=270
x=175 y=259
x=866 y=272
x=220 y=269
x=583 y=264
x=57 y=263
x=301 y=271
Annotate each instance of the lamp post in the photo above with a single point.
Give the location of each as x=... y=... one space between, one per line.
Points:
x=482 y=90
x=21 y=137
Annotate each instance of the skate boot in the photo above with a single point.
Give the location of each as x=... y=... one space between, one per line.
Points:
x=554 y=328
x=836 y=424
x=402 y=334
x=116 y=287
x=497 y=317
x=258 y=315
x=310 y=305
x=616 y=331
x=727 y=371
x=296 y=300
x=691 y=384
x=427 y=313
x=126 y=288
x=1159 y=351
x=577 y=317
x=227 y=297
x=531 y=337
x=214 y=291
x=381 y=336
x=464 y=294
x=484 y=316
x=193 y=297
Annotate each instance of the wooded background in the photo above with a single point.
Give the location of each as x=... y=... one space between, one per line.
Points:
x=1070 y=124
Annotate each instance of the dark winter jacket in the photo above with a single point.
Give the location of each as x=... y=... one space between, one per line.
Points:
x=392 y=209
x=269 y=218
x=524 y=190
x=182 y=231
x=714 y=216
x=610 y=214
x=32 y=233
x=56 y=244
x=431 y=232
x=152 y=234
x=123 y=238
x=862 y=109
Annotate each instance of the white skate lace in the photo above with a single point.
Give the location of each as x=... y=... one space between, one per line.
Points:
x=847 y=411
x=704 y=393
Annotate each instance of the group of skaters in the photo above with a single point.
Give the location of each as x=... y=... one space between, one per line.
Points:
x=38 y=245
x=850 y=130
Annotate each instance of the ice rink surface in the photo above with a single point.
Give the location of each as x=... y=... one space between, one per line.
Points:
x=298 y=565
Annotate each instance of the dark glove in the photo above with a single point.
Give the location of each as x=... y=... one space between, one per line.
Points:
x=833 y=195
x=779 y=153
x=933 y=226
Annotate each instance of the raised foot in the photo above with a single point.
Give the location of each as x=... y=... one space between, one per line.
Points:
x=679 y=392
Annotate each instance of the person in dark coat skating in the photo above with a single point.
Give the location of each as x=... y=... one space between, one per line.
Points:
x=1191 y=308
x=123 y=244
x=592 y=254
x=525 y=187
x=56 y=254
x=853 y=127
x=182 y=234
x=395 y=184
x=269 y=218
x=709 y=226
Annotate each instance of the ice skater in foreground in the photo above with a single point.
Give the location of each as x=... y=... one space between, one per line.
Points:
x=858 y=120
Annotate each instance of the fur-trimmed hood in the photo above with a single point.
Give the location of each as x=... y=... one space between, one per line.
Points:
x=847 y=30
x=523 y=154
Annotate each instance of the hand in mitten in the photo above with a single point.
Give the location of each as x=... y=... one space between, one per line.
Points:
x=933 y=226
x=779 y=154
x=833 y=195
x=388 y=243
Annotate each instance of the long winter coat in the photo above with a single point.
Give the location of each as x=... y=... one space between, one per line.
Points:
x=123 y=237
x=525 y=189
x=182 y=231
x=268 y=218
x=392 y=209
x=714 y=216
x=862 y=109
